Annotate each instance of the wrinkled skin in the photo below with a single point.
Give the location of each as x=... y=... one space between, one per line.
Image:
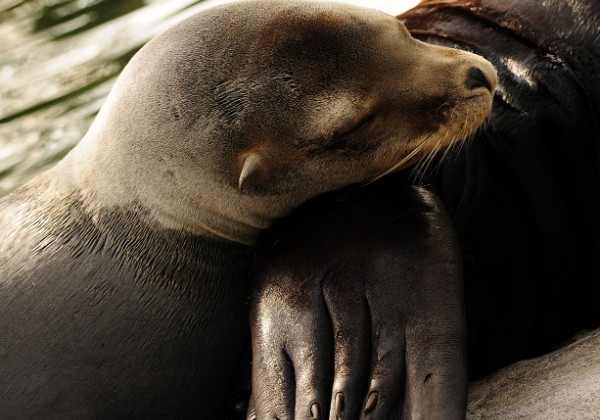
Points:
x=347 y=327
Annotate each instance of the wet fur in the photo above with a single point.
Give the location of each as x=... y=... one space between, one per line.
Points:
x=524 y=195
x=90 y=304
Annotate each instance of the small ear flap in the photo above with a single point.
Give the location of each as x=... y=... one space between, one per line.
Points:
x=253 y=162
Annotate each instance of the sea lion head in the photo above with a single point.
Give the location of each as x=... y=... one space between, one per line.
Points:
x=241 y=112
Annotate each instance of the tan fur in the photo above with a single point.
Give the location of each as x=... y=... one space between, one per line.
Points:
x=176 y=132
x=564 y=384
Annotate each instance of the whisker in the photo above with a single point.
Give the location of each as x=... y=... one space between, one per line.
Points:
x=418 y=167
x=447 y=150
x=435 y=150
x=439 y=149
x=432 y=162
x=420 y=170
x=407 y=158
x=424 y=163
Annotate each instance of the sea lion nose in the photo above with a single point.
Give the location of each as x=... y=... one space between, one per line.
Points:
x=477 y=79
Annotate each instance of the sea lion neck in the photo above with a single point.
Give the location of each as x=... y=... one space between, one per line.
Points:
x=198 y=199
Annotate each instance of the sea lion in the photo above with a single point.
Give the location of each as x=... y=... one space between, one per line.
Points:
x=124 y=268
x=523 y=195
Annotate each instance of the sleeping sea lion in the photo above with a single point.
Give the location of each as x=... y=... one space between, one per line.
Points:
x=524 y=200
x=123 y=269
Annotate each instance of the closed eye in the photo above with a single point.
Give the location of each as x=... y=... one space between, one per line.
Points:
x=362 y=124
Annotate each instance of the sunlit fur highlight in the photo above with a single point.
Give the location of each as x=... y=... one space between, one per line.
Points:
x=456 y=133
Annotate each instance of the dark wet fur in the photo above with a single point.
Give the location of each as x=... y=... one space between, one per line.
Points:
x=525 y=194
x=114 y=319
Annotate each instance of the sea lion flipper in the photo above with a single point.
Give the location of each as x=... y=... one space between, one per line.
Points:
x=371 y=318
x=290 y=376
x=437 y=383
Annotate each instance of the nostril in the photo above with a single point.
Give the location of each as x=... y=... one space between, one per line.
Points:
x=477 y=79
